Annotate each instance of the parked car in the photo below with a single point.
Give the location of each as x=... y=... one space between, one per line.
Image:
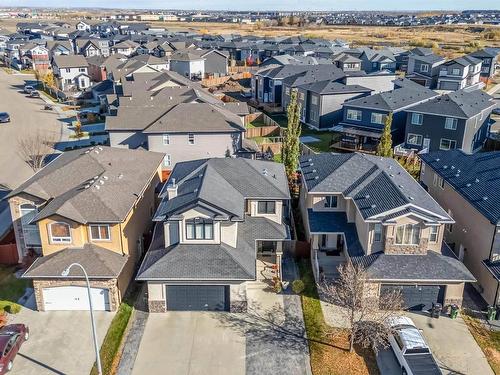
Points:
x=28 y=89
x=34 y=94
x=496 y=111
x=4 y=117
x=411 y=350
x=12 y=337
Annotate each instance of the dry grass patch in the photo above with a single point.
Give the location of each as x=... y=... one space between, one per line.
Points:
x=489 y=341
x=329 y=347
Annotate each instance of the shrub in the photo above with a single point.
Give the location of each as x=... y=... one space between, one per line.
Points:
x=298 y=286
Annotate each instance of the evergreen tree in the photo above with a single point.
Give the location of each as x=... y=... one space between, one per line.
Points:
x=384 y=147
x=291 y=145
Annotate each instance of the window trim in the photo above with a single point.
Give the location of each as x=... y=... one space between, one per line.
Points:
x=99 y=239
x=377 y=114
x=431 y=234
x=168 y=158
x=356 y=111
x=414 y=135
x=422 y=70
x=454 y=123
x=329 y=199
x=420 y=116
x=449 y=148
x=166 y=139
x=60 y=240
x=410 y=236
x=191 y=140
x=377 y=233
x=266 y=211
x=204 y=223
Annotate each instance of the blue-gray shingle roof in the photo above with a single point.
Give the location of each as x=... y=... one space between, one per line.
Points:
x=476 y=177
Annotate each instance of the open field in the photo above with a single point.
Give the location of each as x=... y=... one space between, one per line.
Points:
x=447 y=40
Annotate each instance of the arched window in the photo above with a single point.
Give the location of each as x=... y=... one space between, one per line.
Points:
x=60 y=232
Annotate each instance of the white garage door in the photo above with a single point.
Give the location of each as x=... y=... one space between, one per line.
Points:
x=75 y=298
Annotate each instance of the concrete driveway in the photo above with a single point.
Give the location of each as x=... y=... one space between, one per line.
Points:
x=60 y=342
x=27 y=116
x=451 y=343
x=453 y=346
x=269 y=339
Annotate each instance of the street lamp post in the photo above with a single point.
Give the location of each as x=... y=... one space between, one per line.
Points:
x=94 y=333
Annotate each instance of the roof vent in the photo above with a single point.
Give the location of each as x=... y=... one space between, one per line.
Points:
x=105 y=177
x=373 y=206
x=309 y=160
x=411 y=198
x=477 y=180
x=452 y=167
x=316 y=178
x=120 y=176
x=485 y=198
x=445 y=167
x=264 y=172
x=437 y=159
x=468 y=185
x=367 y=196
x=86 y=186
x=400 y=186
x=97 y=187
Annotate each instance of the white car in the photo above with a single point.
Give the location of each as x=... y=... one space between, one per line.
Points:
x=411 y=350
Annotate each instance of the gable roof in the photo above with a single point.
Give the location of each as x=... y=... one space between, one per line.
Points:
x=475 y=177
x=376 y=185
x=98 y=184
x=394 y=100
x=462 y=104
x=203 y=180
x=70 y=61
x=332 y=87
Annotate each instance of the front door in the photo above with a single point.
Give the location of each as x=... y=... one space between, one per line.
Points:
x=426 y=143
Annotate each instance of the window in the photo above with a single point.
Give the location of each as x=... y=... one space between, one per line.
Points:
x=331 y=201
x=199 y=229
x=314 y=100
x=313 y=116
x=424 y=68
x=60 y=233
x=266 y=207
x=408 y=234
x=455 y=72
x=353 y=114
x=82 y=70
x=377 y=232
x=417 y=118
x=287 y=91
x=167 y=161
x=414 y=139
x=268 y=247
x=447 y=144
x=166 y=139
x=450 y=123
x=99 y=232
x=68 y=70
x=438 y=181
x=301 y=96
x=377 y=118
x=191 y=138
x=433 y=235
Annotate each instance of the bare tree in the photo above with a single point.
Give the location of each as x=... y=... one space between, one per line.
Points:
x=365 y=314
x=34 y=148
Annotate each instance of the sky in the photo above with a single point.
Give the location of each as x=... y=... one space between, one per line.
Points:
x=331 y=5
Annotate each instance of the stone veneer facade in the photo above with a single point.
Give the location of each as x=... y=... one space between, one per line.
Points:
x=392 y=248
x=157 y=306
x=110 y=284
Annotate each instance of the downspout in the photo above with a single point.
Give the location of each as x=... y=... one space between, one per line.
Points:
x=121 y=239
x=491 y=252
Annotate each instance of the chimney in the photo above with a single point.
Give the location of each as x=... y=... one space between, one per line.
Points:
x=172 y=189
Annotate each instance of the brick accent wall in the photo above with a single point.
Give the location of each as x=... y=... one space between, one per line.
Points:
x=110 y=284
x=392 y=248
x=156 y=306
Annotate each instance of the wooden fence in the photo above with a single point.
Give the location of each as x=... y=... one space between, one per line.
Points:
x=262 y=131
x=216 y=81
x=306 y=150
x=240 y=69
x=8 y=254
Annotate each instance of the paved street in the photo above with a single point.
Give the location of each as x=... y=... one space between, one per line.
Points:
x=60 y=342
x=27 y=116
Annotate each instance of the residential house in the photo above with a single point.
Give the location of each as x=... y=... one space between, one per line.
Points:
x=363 y=119
x=96 y=68
x=184 y=123
x=374 y=60
x=216 y=62
x=459 y=119
x=83 y=26
x=59 y=47
x=347 y=62
x=71 y=72
x=92 y=47
x=467 y=187
x=489 y=59
x=321 y=102
x=90 y=206
x=154 y=62
x=125 y=47
x=35 y=57
x=424 y=67
x=459 y=73
x=188 y=64
x=208 y=248
x=368 y=210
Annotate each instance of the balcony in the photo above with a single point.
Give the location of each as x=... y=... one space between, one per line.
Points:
x=368 y=147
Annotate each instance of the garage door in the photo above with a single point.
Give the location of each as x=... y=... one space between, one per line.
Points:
x=75 y=298
x=420 y=297
x=197 y=298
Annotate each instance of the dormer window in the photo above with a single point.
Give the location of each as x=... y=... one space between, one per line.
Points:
x=199 y=229
x=266 y=207
x=60 y=233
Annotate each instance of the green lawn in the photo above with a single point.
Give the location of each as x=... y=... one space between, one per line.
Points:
x=325 y=139
x=11 y=289
x=112 y=342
